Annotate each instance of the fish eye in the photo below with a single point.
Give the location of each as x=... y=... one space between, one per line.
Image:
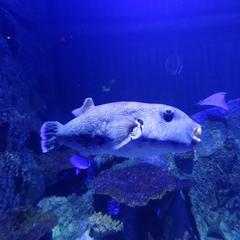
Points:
x=168 y=115
x=140 y=121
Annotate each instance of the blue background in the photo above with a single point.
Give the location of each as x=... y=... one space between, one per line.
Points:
x=124 y=45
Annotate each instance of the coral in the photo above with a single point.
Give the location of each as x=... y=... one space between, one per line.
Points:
x=26 y=223
x=184 y=162
x=125 y=163
x=162 y=161
x=21 y=182
x=86 y=236
x=102 y=159
x=215 y=133
x=215 y=197
x=22 y=65
x=102 y=225
x=72 y=213
x=138 y=184
x=56 y=161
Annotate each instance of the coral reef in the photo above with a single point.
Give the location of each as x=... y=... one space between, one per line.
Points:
x=72 y=213
x=209 y=210
x=138 y=184
x=86 y=236
x=102 y=225
x=26 y=223
x=55 y=161
x=216 y=170
x=22 y=68
x=21 y=181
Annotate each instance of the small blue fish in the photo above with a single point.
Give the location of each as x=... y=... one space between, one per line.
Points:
x=106 y=88
x=113 y=207
x=159 y=212
x=79 y=163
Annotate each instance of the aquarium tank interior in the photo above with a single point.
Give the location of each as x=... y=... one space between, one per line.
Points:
x=119 y=120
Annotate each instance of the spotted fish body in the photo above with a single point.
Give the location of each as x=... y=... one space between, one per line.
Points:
x=128 y=129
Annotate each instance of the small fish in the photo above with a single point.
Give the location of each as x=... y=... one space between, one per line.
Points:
x=217 y=99
x=173 y=64
x=106 y=88
x=79 y=163
x=113 y=207
x=124 y=129
x=182 y=195
x=159 y=212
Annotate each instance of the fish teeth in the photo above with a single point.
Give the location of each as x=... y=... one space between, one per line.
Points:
x=198 y=132
x=197 y=139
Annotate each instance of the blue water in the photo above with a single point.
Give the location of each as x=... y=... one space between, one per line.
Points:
x=129 y=43
x=54 y=54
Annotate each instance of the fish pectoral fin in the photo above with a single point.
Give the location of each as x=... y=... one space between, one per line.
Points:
x=87 y=105
x=128 y=130
x=121 y=144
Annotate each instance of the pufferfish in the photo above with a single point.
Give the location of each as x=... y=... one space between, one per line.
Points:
x=125 y=129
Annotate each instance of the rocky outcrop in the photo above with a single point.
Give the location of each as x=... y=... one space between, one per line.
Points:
x=216 y=171
x=22 y=70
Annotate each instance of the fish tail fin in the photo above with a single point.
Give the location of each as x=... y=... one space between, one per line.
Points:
x=48 y=135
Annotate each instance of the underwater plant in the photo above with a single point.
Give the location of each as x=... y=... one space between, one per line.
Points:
x=72 y=214
x=101 y=225
x=26 y=223
x=138 y=184
x=215 y=205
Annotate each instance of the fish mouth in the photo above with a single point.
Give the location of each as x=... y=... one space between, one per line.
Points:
x=196 y=135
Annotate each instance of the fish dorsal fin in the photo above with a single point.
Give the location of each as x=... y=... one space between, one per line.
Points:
x=87 y=105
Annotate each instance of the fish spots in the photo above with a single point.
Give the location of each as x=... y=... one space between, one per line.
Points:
x=168 y=115
x=140 y=121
